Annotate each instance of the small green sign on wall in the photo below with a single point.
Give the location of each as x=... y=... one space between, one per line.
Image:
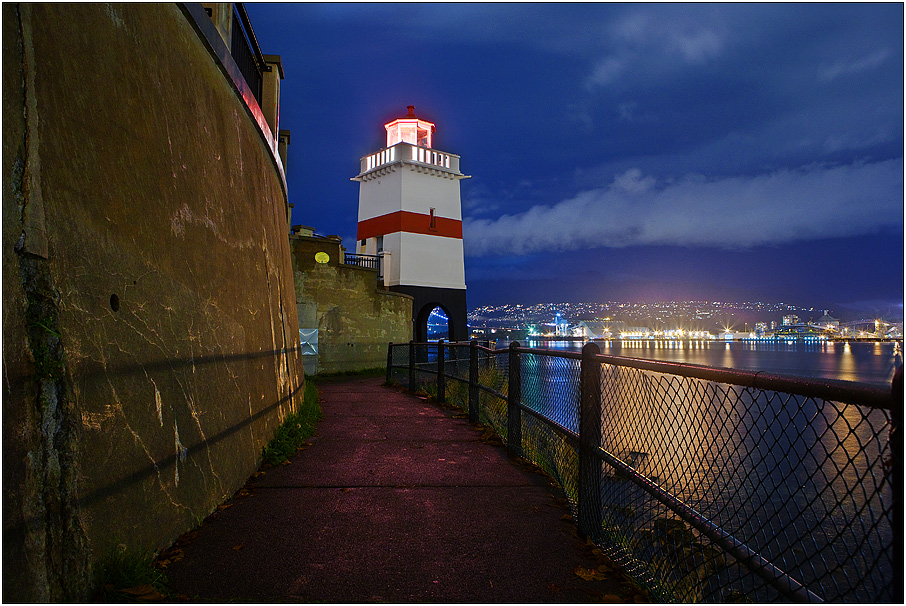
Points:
x=322 y=257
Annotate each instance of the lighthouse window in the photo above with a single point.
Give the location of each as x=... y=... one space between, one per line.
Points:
x=433 y=221
x=422 y=137
x=393 y=135
x=407 y=133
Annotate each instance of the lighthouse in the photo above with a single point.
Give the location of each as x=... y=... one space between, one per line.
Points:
x=410 y=213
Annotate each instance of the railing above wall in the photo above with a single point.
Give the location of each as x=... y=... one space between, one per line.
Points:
x=245 y=51
x=207 y=32
x=365 y=261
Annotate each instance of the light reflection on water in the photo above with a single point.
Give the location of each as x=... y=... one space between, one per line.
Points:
x=869 y=362
x=792 y=477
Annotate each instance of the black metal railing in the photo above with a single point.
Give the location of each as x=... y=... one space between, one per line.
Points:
x=704 y=484
x=366 y=261
x=245 y=51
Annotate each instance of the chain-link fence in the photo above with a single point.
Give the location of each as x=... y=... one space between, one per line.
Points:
x=703 y=484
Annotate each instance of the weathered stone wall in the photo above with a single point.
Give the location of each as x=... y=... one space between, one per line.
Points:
x=150 y=336
x=355 y=319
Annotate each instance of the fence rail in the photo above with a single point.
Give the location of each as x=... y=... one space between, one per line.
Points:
x=366 y=261
x=704 y=484
x=245 y=51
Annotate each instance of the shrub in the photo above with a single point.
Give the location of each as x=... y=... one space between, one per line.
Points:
x=296 y=428
x=126 y=576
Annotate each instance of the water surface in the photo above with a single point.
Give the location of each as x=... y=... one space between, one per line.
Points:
x=859 y=361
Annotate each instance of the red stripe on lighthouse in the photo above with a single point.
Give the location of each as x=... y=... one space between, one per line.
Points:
x=413 y=223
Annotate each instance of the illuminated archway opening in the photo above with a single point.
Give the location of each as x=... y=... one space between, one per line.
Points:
x=438 y=325
x=433 y=322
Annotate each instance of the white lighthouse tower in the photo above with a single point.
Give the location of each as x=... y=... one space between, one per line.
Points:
x=410 y=210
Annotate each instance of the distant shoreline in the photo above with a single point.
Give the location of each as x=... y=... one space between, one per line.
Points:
x=754 y=339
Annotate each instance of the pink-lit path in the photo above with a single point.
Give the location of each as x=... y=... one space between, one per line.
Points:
x=396 y=500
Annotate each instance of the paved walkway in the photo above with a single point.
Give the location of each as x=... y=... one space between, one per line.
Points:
x=396 y=500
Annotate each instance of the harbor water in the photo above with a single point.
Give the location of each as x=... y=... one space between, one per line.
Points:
x=858 y=361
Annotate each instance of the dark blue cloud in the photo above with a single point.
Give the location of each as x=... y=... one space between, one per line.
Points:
x=784 y=206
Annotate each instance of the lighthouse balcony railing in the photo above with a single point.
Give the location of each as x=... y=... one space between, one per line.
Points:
x=411 y=153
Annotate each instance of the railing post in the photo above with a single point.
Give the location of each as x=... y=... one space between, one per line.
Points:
x=441 y=373
x=473 y=381
x=591 y=517
x=896 y=480
x=389 y=361
x=387 y=265
x=411 y=365
x=514 y=399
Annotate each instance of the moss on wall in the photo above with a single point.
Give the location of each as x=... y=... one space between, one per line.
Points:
x=149 y=323
x=355 y=318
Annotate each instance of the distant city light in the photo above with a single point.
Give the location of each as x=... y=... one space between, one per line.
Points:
x=678 y=322
x=438 y=324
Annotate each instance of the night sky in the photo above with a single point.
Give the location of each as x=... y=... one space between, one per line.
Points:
x=620 y=151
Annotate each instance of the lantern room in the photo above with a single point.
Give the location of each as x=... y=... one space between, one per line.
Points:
x=410 y=129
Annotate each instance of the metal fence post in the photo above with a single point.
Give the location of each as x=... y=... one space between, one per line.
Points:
x=473 y=381
x=896 y=480
x=441 y=373
x=389 y=361
x=590 y=512
x=514 y=399
x=411 y=365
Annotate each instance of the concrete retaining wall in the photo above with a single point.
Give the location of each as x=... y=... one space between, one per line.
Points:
x=150 y=340
x=355 y=319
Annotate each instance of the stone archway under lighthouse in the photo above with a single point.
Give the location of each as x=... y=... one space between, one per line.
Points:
x=429 y=327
